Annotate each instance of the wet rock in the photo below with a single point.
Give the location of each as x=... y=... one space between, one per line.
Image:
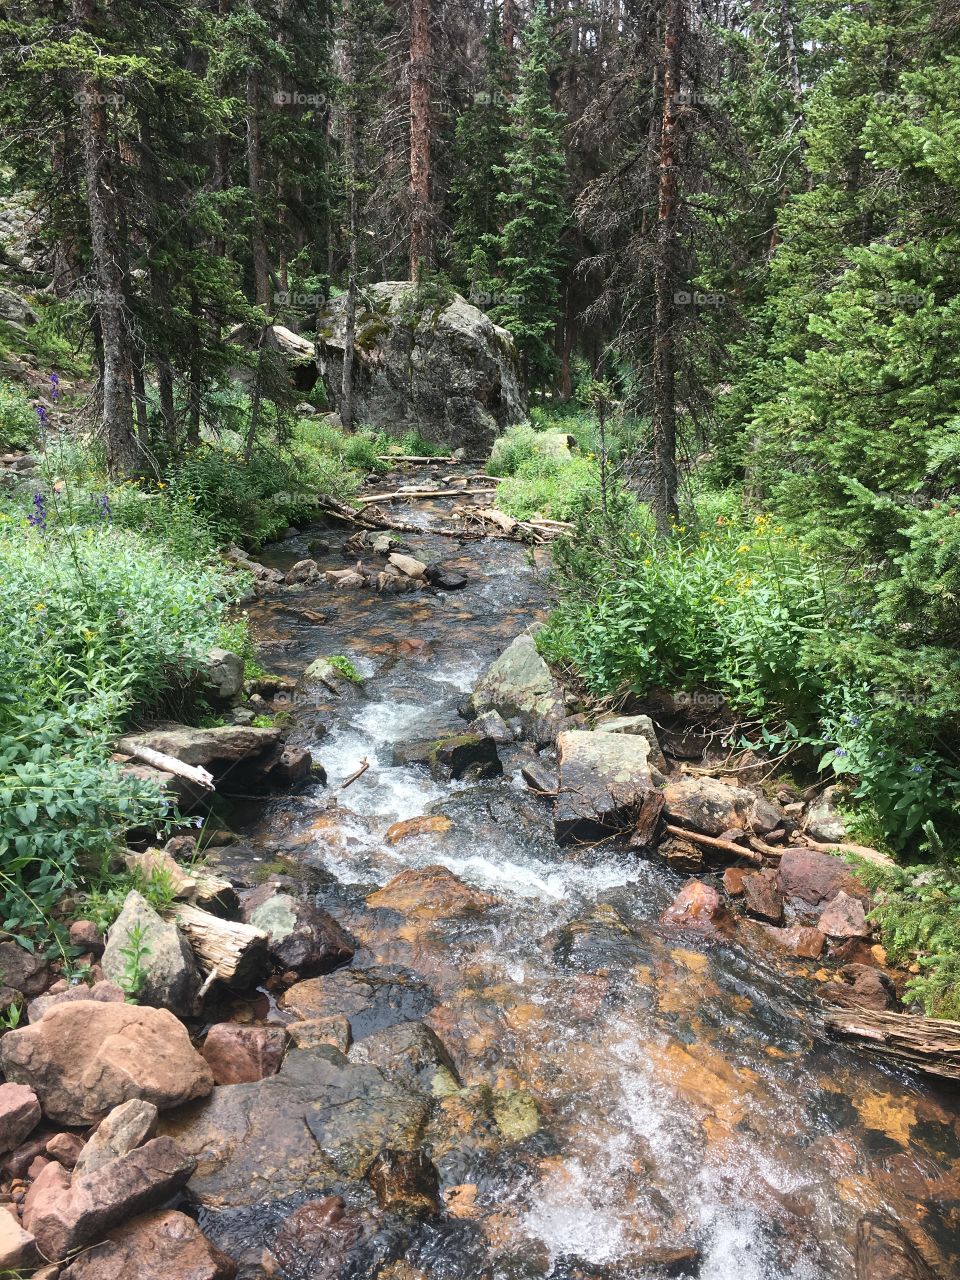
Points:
x=445 y=578
x=597 y=941
x=18 y=1248
x=519 y=685
x=84 y=1058
x=540 y=778
x=242 y=1054
x=321 y=679
x=370 y=1000
x=303 y=572
x=604 y=778
x=237 y=750
x=221 y=673
x=713 y=807
x=347 y=579
x=314 y=1032
x=733 y=881
x=515 y=1114
x=412 y=828
x=171 y=978
x=405 y=1182
x=865 y=988
x=411 y=1054
x=123 y=1130
x=162 y=1245
x=883 y=1252
x=465 y=755
x=844 y=917
x=286 y=767
x=64 y=1213
x=823 y=819
x=682 y=855
x=409 y=566
x=319 y=547
x=643 y=726
x=302 y=938
x=816 y=878
x=430 y=893
x=19 y=1115
x=315 y=1241
x=104 y=992
x=492 y=725
x=762 y=895
x=798 y=940
x=699 y=907
x=86 y=935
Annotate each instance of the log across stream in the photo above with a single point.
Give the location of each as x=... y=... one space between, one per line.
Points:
x=621 y=1090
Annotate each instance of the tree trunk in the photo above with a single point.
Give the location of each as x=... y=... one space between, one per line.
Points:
x=261 y=261
x=509 y=25
x=116 y=362
x=790 y=51
x=665 y=279
x=421 y=53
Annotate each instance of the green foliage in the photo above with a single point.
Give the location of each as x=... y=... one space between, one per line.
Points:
x=133 y=974
x=346 y=668
x=19 y=426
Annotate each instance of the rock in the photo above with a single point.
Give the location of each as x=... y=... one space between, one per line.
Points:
x=321 y=679
x=540 y=779
x=22 y=971
x=604 y=778
x=16 y=310
x=302 y=937
x=823 y=820
x=465 y=755
x=681 y=855
x=411 y=1054
x=798 y=940
x=242 y=1054
x=763 y=897
x=346 y=579
x=409 y=566
x=157 y=863
x=86 y=935
x=84 y=1058
x=370 y=998
x=290 y=352
x=104 y=992
x=315 y=1240
x=127 y=1127
x=319 y=547
x=597 y=942
x=63 y=1214
x=304 y=571
x=286 y=767
x=713 y=807
x=234 y=749
x=883 y=1252
x=19 y=1115
x=697 y=906
x=519 y=685
x=430 y=893
x=844 y=917
x=405 y=1182
x=171 y=978
x=642 y=726
x=222 y=675
x=18 y=1248
x=445 y=578
x=492 y=725
x=815 y=878
x=442 y=367
x=162 y=1245
x=313 y=1032
x=733 y=881
x=865 y=988
x=411 y=828
x=65 y=1148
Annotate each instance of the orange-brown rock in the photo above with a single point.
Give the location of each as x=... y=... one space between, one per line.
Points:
x=698 y=906
x=429 y=824
x=430 y=893
x=163 y=1245
x=241 y=1054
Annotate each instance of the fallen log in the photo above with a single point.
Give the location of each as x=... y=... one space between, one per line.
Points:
x=170 y=764
x=858 y=850
x=713 y=842
x=415 y=457
x=414 y=495
x=932 y=1045
x=235 y=953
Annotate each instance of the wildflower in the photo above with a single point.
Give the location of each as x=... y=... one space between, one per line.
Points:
x=42 y=416
x=38 y=518
x=742 y=549
x=104 y=510
x=54 y=387
x=38 y=607
x=916 y=768
x=840 y=752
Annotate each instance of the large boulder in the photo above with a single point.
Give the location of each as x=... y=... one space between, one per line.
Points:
x=82 y=1059
x=163 y=1245
x=302 y=937
x=713 y=807
x=519 y=686
x=817 y=878
x=170 y=978
x=277 y=350
x=442 y=368
x=251 y=757
x=604 y=778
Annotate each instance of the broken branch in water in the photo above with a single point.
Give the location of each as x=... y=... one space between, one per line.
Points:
x=414 y=495
x=348 y=782
x=931 y=1045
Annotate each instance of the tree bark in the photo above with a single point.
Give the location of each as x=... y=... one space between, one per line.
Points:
x=261 y=261
x=351 y=156
x=421 y=53
x=790 y=51
x=116 y=363
x=665 y=279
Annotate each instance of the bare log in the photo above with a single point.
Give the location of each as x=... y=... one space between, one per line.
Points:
x=170 y=764
x=858 y=850
x=932 y=1045
x=712 y=842
x=415 y=495
x=235 y=953
x=417 y=458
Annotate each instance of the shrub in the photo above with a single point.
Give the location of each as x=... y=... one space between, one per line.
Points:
x=19 y=425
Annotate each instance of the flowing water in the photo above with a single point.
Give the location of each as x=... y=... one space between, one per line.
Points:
x=686 y=1092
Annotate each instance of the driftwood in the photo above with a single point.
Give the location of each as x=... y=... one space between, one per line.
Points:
x=235 y=953
x=858 y=850
x=932 y=1045
x=169 y=764
x=712 y=842
x=648 y=820
x=357 y=773
x=415 y=457
x=414 y=495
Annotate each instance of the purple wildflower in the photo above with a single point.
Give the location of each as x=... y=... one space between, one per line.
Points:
x=42 y=416
x=54 y=387
x=38 y=517
x=104 y=510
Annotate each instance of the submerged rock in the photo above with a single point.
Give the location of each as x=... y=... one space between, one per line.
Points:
x=405 y=1182
x=430 y=893
x=315 y=1241
x=604 y=778
x=698 y=906
x=884 y=1252
x=519 y=685
x=412 y=1054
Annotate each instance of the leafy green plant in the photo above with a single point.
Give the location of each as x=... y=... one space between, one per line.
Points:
x=346 y=668
x=134 y=951
x=19 y=425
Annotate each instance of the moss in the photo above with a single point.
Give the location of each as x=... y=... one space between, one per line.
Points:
x=263 y=871
x=516 y=1114
x=368 y=335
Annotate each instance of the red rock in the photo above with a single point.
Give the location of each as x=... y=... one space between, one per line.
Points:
x=124 y=1129
x=16 y=1164
x=19 y=1115
x=866 y=988
x=84 y=1058
x=430 y=893
x=17 y=1247
x=798 y=940
x=884 y=1252
x=63 y=1214
x=163 y=1245
x=844 y=918
x=242 y=1054
x=698 y=906
x=66 y=1148
x=763 y=897
x=816 y=878
x=85 y=934
x=23 y=971
x=733 y=880
x=36 y=1167
x=106 y=992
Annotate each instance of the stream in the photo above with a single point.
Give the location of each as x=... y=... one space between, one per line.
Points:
x=675 y=1094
